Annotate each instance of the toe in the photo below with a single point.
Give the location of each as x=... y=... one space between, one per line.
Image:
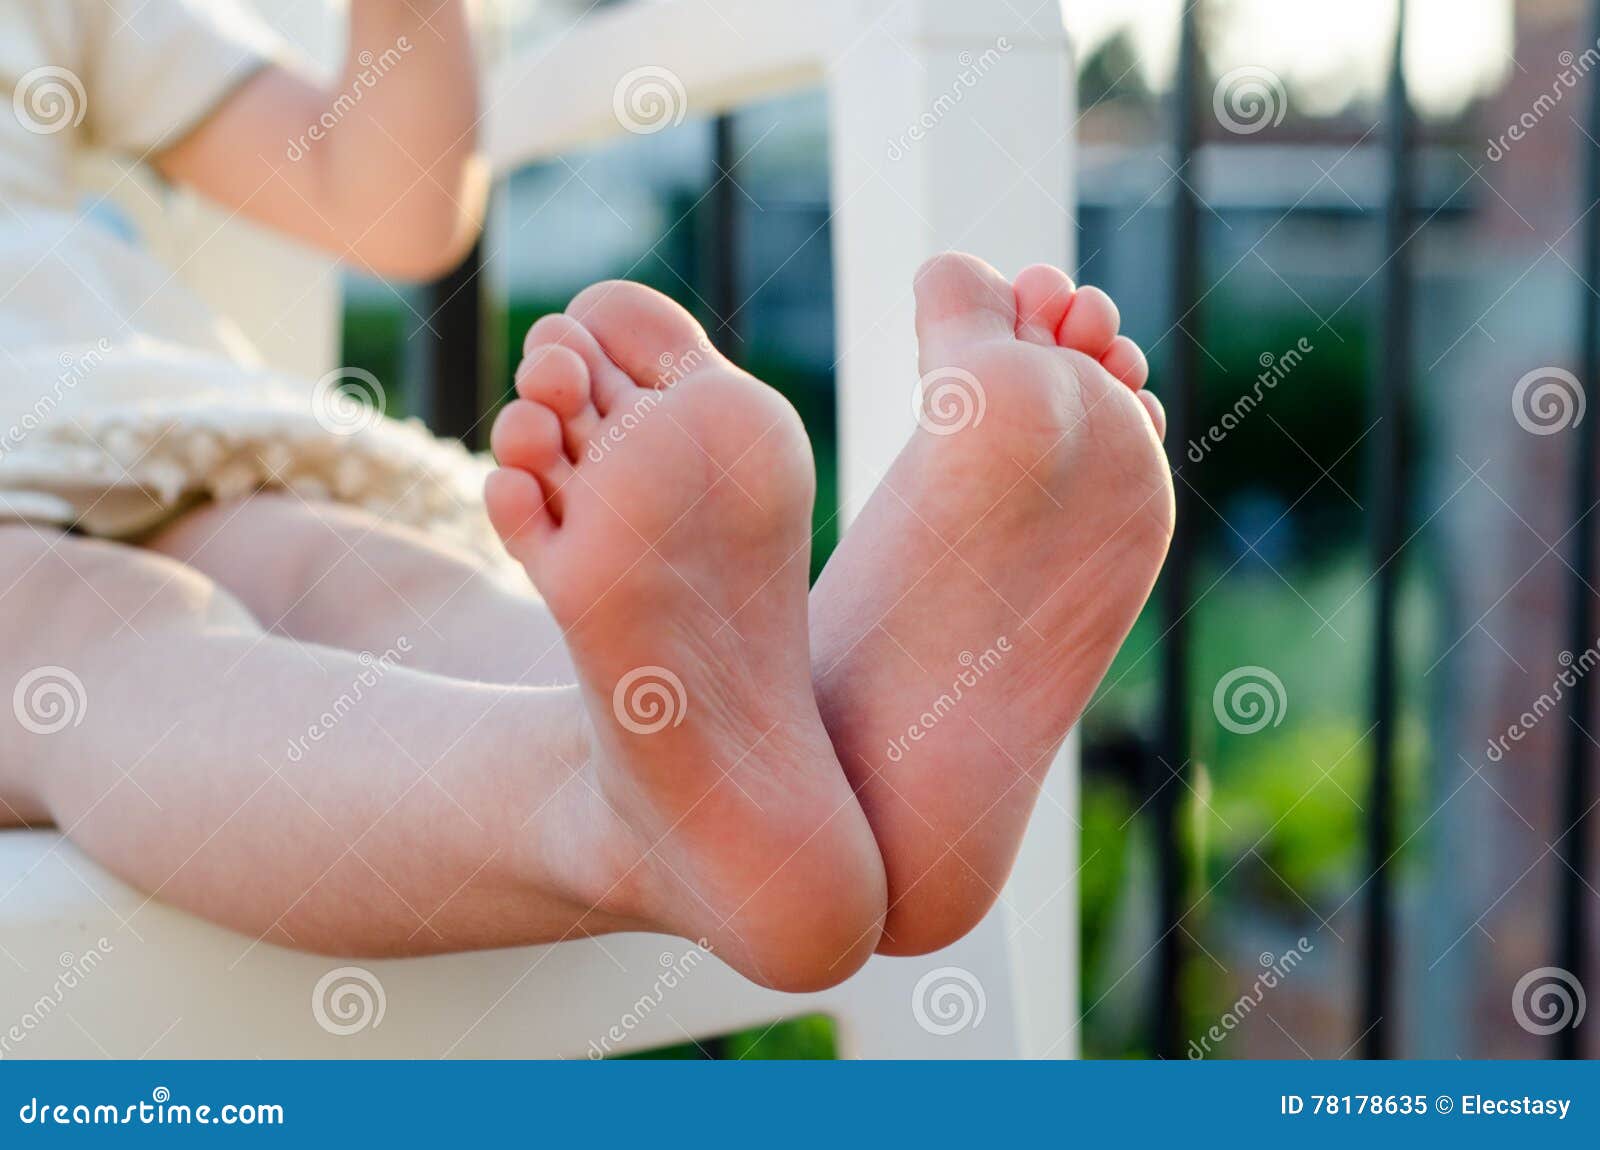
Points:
x=530 y=437
x=1158 y=414
x=648 y=335
x=557 y=377
x=1091 y=323
x=1043 y=295
x=608 y=383
x=518 y=510
x=526 y=435
x=1125 y=361
x=961 y=299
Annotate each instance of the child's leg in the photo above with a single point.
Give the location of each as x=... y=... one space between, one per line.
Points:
x=316 y=799
x=336 y=575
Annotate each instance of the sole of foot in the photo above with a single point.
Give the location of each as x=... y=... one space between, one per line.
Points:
x=976 y=604
x=660 y=500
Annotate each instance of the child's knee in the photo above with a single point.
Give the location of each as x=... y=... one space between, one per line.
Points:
x=60 y=589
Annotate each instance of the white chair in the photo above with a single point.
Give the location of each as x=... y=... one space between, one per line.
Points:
x=89 y=967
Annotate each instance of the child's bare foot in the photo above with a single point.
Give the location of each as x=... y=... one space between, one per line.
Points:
x=661 y=502
x=975 y=605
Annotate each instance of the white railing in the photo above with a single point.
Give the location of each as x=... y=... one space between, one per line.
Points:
x=950 y=125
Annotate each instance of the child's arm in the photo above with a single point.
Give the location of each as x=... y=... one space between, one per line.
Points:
x=382 y=169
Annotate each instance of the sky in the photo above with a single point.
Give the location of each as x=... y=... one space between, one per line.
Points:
x=1326 y=51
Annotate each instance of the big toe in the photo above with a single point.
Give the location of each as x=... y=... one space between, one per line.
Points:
x=962 y=299
x=1091 y=323
x=1044 y=293
x=647 y=334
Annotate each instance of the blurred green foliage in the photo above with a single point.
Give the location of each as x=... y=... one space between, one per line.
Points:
x=807 y=1039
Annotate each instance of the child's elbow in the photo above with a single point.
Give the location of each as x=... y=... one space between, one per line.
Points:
x=424 y=259
x=430 y=232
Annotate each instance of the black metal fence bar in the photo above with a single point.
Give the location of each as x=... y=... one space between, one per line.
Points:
x=725 y=252
x=1183 y=368
x=1578 y=782
x=454 y=363
x=1388 y=494
x=722 y=263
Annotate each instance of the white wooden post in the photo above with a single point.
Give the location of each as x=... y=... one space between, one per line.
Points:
x=952 y=128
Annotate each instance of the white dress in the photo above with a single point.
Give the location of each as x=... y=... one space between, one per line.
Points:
x=123 y=397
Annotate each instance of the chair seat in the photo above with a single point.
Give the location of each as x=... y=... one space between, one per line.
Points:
x=94 y=969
